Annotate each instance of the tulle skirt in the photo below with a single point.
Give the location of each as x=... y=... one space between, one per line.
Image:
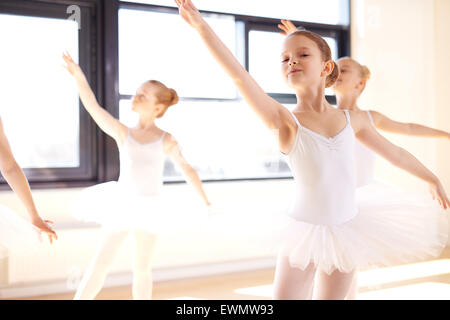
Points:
x=392 y=227
x=17 y=234
x=113 y=206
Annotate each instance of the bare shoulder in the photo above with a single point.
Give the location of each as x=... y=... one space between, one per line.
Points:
x=358 y=119
x=376 y=116
x=122 y=133
x=169 y=141
x=287 y=130
x=288 y=121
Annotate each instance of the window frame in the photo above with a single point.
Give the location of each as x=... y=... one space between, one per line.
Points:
x=91 y=63
x=99 y=57
x=245 y=24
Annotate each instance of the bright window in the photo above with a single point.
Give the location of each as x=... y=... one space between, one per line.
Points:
x=160 y=46
x=319 y=11
x=39 y=101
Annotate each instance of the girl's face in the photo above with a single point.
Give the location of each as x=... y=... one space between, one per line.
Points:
x=302 y=64
x=144 y=101
x=349 y=79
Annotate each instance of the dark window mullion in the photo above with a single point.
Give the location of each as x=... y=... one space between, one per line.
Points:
x=86 y=171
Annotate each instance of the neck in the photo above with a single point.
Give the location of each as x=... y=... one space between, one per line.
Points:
x=347 y=102
x=146 y=122
x=310 y=99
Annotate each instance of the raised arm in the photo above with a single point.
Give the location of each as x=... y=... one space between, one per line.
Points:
x=411 y=129
x=110 y=125
x=172 y=149
x=16 y=179
x=268 y=109
x=399 y=157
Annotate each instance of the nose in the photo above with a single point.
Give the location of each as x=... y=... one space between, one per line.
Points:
x=292 y=63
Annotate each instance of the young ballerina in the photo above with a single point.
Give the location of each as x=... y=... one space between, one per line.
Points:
x=15 y=232
x=349 y=86
x=328 y=237
x=134 y=203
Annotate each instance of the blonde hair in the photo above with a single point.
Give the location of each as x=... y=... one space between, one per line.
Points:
x=325 y=51
x=364 y=71
x=166 y=96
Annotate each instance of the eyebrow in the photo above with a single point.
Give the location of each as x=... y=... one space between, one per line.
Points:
x=296 y=49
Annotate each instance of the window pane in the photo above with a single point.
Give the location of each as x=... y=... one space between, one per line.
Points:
x=222 y=140
x=265 y=63
x=161 y=46
x=39 y=101
x=334 y=55
x=320 y=11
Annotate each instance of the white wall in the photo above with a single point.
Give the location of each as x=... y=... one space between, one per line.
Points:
x=405 y=43
x=442 y=84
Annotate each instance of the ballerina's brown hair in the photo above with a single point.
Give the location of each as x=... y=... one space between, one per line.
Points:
x=166 y=96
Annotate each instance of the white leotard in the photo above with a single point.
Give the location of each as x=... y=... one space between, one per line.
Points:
x=324 y=175
x=365 y=162
x=142 y=165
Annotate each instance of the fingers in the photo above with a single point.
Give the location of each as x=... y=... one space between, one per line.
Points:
x=443 y=199
x=442 y=203
x=178 y=2
x=282 y=27
x=50 y=233
x=445 y=203
x=190 y=5
x=67 y=57
x=290 y=25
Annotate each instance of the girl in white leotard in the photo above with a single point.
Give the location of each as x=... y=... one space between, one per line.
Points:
x=328 y=235
x=349 y=86
x=135 y=203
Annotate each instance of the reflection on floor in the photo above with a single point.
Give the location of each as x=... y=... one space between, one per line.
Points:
x=419 y=281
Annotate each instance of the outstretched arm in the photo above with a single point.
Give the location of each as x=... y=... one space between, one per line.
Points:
x=110 y=125
x=399 y=157
x=16 y=179
x=268 y=109
x=411 y=129
x=172 y=149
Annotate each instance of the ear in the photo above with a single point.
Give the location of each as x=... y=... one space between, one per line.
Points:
x=361 y=84
x=328 y=68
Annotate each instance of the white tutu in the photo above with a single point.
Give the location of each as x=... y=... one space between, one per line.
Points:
x=391 y=227
x=16 y=234
x=113 y=206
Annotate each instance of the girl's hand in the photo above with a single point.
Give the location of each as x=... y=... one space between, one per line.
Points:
x=287 y=26
x=43 y=226
x=189 y=13
x=71 y=66
x=438 y=193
